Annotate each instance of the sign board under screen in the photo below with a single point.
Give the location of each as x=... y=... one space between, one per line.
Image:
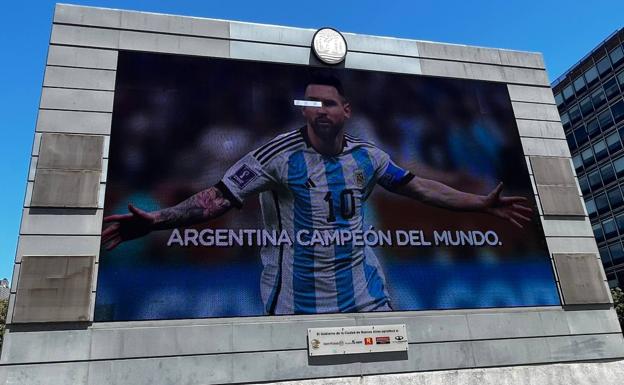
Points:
x=379 y=192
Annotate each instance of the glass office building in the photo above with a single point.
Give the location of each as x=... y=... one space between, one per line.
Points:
x=590 y=99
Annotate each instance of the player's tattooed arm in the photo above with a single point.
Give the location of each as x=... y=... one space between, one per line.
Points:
x=203 y=206
x=428 y=191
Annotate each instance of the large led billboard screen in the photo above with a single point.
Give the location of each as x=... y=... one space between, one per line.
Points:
x=239 y=188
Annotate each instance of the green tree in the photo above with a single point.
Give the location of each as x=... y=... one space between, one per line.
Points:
x=4 y=306
x=618 y=303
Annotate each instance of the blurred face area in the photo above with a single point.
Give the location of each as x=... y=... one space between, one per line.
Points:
x=326 y=121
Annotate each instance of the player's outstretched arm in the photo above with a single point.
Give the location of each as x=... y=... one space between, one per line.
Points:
x=512 y=208
x=204 y=205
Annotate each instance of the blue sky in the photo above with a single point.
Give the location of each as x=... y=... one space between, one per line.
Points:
x=562 y=30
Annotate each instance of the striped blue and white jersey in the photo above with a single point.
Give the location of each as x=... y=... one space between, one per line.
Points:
x=302 y=190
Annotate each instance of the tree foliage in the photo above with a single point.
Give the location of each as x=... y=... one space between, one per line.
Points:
x=4 y=306
x=618 y=303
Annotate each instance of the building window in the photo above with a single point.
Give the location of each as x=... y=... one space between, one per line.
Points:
x=613 y=142
x=593 y=127
x=618 y=165
x=611 y=88
x=584 y=184
x=618 y=110
x=580 y=135
x=578 y=162
x=591 y=75
x=616 y=56
x=605 y=119
x=602 y=204
x=559 y=99
x=607 y=173
x=575 y=114
x=579 y=84
x=620 y=78
x=594 y=179
x=615 y=197
x=591 y=207
x=603 y=65
x=600 y=150
x=586 y=106
x=617 y=253
x=588 y=157
x=620 y=222
x=598 y=98
x=571 y=141
x=565 y=120
x=604 y=255
x=598 y=233
x=568 y=92
x=609 y=228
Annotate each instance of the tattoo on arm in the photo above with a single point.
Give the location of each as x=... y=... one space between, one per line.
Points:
x=204 y=205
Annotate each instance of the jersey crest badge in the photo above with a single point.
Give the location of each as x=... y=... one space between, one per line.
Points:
x=360 y=180
x=243 y=176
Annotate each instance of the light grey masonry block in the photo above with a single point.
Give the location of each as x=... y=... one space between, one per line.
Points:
x=580 y=279
x=511 y=351
x=66 y=188
x=59 y=55
x=72 y=14
x=488 y=72
x=161 y=341
x=504 y=325
x=522 y=59
x=592 y=347
x=540 y=129
x=75 y=373
x=269 y=52
x=189 y=370
x=78 y=122
x=54 y=289
x=545 y=147
x=405 y=65
x=70 y=152
x=186 y=45
x=80 y=100
x=552 y=171
x=46 y=346
x=580 y=227
x=381 y=45
x=535 y=111
x=560 y=200
x=427 y=328
x=426 y=357
x=61 y=222
x=57 y=245
x=519 y=93
x=79 y=78
x=572 y=245
x=526 y=76
x=84 y=36
x=184 y=25
x=271 y=34
x=456 y=52
x=592 y=321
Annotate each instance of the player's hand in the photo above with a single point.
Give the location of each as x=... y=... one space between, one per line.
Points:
x=513 y=209
x=125 y=227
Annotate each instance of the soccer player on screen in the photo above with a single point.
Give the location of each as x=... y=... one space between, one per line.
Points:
x=314 y=178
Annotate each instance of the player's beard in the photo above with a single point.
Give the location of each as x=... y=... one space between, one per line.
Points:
x=325 y=129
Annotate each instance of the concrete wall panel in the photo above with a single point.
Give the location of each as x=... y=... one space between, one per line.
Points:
x=54 y=289
x=360 y=60
x=267 y=52
x=531 y=94
x=561 y=200
x=185 y=45
x=552 y=171
x=522 y=59
x=84 y=36
x=71 y=14
x=540 y=129
x=483 y=72
x=381 y=45
x=57 y=245
x=77 y=122
x=142 y=21
x=81 y=100
x=271 y=34
x=580 y=227
x=59 y=55
x=70 y=152
x=65 y=188
x=46 y=346
x=545 y=147
x=69 y=77
x=572 y=245
x=536 y=111
x=456 y=52
x=580 y=279
x=61 y=222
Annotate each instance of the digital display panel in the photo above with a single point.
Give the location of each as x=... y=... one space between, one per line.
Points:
x=240 y=188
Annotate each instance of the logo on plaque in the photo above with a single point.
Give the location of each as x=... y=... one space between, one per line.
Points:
x=329 y=46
